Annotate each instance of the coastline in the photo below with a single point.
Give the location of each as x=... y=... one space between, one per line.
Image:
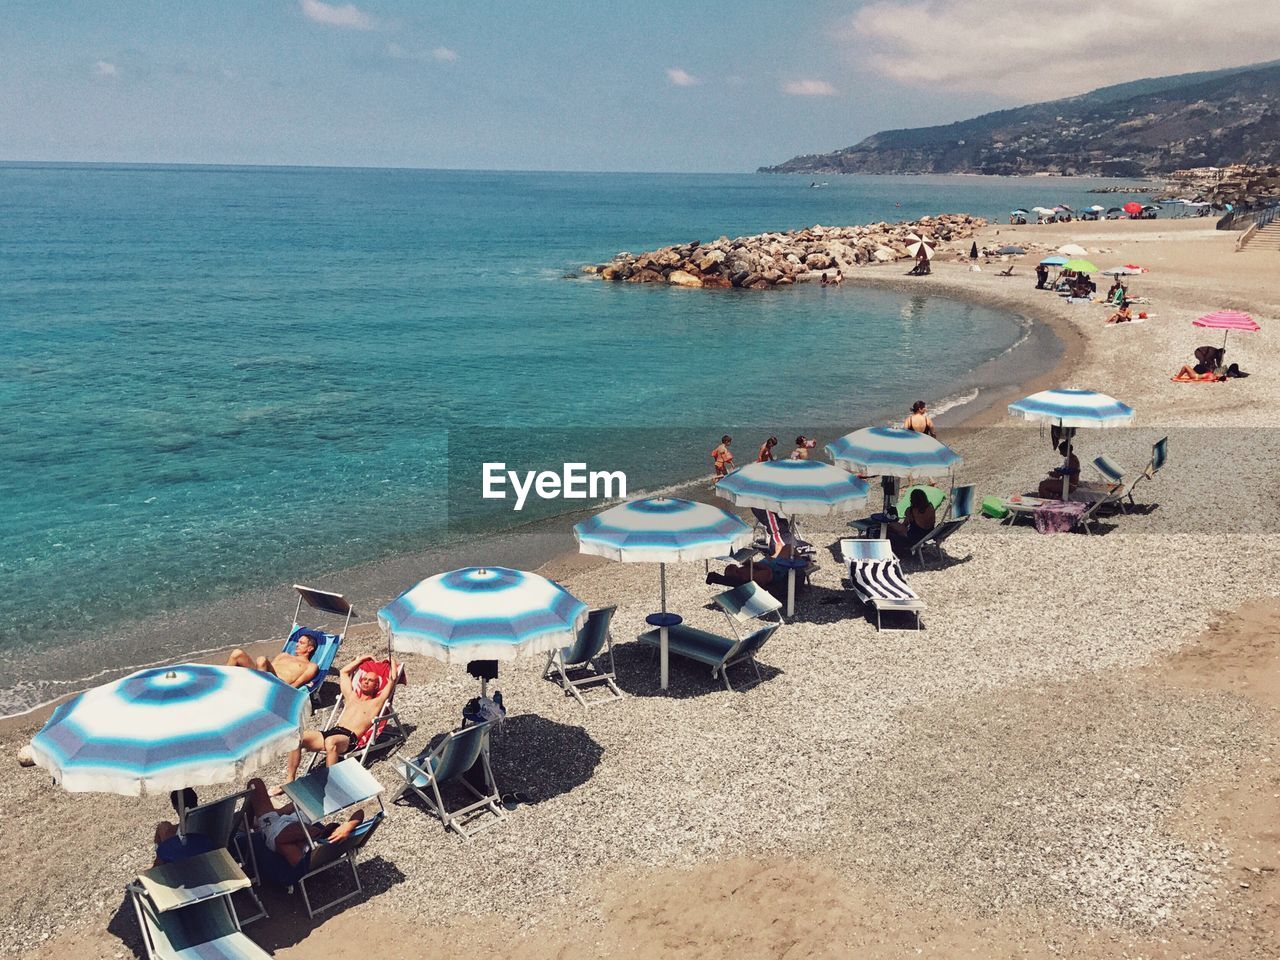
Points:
x=255 y=618
x=1074 y=757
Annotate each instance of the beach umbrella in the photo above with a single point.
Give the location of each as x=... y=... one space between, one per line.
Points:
x=1044 y=210
x=482 y=613
x=1054 y=261
x=973 y=250
x=1096 y=208
x=893 y=452
x=1226 y=321
x=1080 y=266
x=916 y=245
x=1072 y=250
x=1018 y=213
x=662 y=530
x=169 y=728
x=793 y=488
x=1132 y=207
x=1073 y=408
x=1011 y=251
x=1127 y=270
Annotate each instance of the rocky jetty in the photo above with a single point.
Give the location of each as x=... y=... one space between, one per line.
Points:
x=778 y=259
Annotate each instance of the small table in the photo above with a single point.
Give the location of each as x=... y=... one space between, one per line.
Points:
x=868 y=524
x=791 y=565
x=662 y=621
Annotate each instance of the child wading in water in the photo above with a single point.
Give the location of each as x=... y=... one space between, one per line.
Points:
x=722 y=456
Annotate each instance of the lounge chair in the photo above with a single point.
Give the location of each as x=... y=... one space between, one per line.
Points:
x=321 y=795
x=745 y=603
x=593 y=639
x=1115 y=489
x=385 y=735
x=959 y=510
x=1159 y=457
x=185 y=912
x=1027 y=506
x=225 y=824
x=450 y=762
x=327 y=644
x=876 y=577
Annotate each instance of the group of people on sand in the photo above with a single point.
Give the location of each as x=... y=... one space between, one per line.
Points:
x=1210 y=367
x=365 y=686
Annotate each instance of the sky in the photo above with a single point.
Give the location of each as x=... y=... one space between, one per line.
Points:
x=721 y=85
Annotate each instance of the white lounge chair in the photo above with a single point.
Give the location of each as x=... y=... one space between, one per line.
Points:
x=877 y=579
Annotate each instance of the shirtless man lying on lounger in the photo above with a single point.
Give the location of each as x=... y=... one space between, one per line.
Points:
x=362 y=698
x=284 y=832
x=295 y=669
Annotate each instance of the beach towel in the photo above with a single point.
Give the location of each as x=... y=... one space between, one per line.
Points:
x=1057 y=516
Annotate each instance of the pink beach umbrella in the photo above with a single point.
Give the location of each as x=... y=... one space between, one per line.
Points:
x=1226 y=321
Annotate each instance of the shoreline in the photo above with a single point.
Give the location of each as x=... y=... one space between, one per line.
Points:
x=540 y=545
x=1073 y=757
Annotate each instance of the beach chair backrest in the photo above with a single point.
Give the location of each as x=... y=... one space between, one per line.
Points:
x=189 y=928
x=944 y=530
x=459 y=751
x=216 y=820
x=1108 y=469
x=325 y=853
x=1159 y=456
x=747 y=602
x=327 y=645
x=962 y=501
x=856 y=550
x=591 y=638
x=751 y=643
x=326 y=791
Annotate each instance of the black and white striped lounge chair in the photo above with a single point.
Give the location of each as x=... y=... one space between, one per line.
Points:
x=877 y=579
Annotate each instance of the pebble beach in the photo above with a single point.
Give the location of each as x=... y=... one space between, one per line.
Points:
x=1077 y=755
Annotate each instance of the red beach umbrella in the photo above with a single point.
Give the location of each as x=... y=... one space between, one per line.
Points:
x=1132 y=207
x=1226 y=321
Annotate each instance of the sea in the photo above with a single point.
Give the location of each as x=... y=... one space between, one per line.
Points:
x=222 y=380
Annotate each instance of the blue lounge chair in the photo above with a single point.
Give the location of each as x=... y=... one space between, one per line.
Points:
x=746 y=603
x=322 y=795
x=593 y=640
x=327 y=644
x=184 y=910
x=224 y=824
x=1159 y=457
x=450 y=762
x=876 y=578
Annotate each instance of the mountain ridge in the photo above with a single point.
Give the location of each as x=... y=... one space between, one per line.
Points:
x=1139 y=128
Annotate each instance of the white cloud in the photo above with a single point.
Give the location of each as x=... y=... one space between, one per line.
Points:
x=1024 y=51
x=681 y=78
x=809 y=88
x=105 y=68
x=331 y=15
x=444 y=55
x=397 y=51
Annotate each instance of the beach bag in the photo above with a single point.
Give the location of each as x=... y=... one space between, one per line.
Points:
x=992 y=507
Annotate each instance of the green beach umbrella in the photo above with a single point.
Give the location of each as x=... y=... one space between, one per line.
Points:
x=1080 y=266
x=935 y=495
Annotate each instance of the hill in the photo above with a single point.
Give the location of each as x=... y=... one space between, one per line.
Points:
x=1141 y=128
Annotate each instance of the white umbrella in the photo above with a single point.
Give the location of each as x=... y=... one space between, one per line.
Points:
x=1072 y=250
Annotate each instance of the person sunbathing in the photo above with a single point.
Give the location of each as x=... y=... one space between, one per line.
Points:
x=364 y=692
x=1197 y=374
x=1051 y=486
x=295 y=669
x=1123 y=315
x=284 y=832
x=919 y=520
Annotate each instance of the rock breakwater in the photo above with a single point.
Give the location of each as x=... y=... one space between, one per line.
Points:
x=768 y=260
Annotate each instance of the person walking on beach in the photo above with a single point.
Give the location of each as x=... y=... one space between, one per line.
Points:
x=766 y=450
x=919 y=420
x=1042 y=276
x=722 y=456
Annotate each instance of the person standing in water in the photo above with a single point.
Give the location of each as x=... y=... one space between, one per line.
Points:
x=766 y=450
x=920 y=421
x=722 y=456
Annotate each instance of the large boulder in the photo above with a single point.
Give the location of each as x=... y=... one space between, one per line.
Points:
x=681 y=278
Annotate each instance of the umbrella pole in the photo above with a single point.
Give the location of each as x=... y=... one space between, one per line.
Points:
x=182 y=816
x=1066 y=473
x=662 y=630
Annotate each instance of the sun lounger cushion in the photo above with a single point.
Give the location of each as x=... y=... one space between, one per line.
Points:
x=882 y=580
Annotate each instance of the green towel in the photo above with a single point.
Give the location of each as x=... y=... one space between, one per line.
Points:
x=994 y=507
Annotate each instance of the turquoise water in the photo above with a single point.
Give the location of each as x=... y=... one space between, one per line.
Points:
x=221 y=377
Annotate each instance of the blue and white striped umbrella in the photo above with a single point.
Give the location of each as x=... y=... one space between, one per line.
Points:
x=794 y=488
x=662 y=530
x=168 y=728
x=893 y=452
x=1073 y=408
x=482 y=613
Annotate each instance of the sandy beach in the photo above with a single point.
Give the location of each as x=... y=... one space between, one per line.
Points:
x=1076 y=757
